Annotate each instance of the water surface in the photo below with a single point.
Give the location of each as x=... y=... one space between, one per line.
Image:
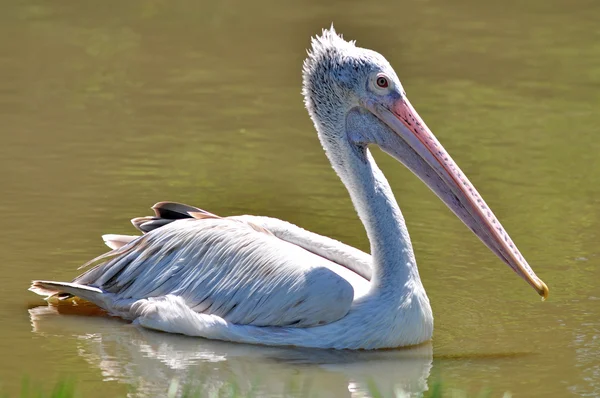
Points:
x=108 y=107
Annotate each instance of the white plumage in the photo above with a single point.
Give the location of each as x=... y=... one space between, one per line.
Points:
x=261 y=280
x=228 y=269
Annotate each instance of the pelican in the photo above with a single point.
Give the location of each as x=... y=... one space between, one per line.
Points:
x=260 y=280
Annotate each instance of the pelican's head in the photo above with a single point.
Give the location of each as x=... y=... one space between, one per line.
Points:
x=355 y=99
x=339 y=77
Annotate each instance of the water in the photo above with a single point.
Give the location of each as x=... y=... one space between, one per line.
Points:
x=108 y=107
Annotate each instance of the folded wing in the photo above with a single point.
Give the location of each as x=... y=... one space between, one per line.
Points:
x=228 y=268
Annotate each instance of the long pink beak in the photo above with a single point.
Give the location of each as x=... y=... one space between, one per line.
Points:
x=404 y=120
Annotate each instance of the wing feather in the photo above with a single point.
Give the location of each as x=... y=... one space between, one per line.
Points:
x=331 y=249
x=231 y=269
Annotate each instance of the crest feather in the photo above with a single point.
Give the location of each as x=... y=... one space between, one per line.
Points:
x=329 y=41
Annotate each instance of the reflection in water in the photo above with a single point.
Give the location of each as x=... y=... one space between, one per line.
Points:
x=148 y=361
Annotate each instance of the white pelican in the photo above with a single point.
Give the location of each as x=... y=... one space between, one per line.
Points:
x=261 y=280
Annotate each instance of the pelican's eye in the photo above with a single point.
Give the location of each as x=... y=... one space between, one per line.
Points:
x=382 y=82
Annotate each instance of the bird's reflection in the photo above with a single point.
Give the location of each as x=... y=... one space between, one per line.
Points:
x=149 y=361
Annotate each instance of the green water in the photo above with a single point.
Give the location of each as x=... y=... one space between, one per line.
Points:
x=108 y=107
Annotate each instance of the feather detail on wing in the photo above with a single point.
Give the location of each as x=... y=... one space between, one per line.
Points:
x=331 y=249
x=167 y=212
x=228 y=268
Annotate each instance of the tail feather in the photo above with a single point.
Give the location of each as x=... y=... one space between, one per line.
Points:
x=67 y=289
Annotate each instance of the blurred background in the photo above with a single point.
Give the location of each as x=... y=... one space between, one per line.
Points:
x=108 y=107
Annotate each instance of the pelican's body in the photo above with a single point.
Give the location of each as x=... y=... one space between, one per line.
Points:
x=261 y=280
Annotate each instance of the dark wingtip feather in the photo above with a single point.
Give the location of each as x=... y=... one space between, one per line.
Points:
x=173 y=210
x=147 y=224
x=167 y=212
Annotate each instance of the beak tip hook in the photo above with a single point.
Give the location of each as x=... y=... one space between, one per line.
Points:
x=543 y=290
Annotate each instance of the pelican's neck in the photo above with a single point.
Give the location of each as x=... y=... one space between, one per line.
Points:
x=394 y=265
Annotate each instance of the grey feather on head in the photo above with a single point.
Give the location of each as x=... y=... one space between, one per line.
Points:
x=335 y=75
